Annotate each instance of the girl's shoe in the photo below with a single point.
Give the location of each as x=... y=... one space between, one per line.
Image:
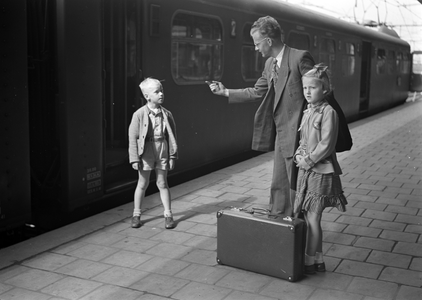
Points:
x=136 y=222
x=169 y=223
x=320 y=267
x=310 y=269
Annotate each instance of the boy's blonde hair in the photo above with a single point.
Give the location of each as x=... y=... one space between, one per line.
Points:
x=320 y=72
x=146 y=83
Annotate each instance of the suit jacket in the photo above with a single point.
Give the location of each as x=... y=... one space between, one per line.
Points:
x=281 y=108
x=138 y=130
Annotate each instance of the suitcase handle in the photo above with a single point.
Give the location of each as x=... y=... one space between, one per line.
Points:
x=264 y=211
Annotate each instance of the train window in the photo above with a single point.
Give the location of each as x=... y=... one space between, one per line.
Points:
x=399 y=58
x=197 y=48
x=405 y=66
x=252 y=62
x=299 y=40
x=327 y=53
x=417 y=63
x=348 y=60
x=381 y=61
x=391 y=66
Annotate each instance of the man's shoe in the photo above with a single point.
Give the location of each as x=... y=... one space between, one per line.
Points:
x=320 y=267
x=310 y=269
x=169 y=223
x=136 y=222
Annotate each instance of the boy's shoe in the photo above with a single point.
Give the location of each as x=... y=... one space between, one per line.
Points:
x=310 y=269
x=169 y=223
x=320 y=267
x=136 y=222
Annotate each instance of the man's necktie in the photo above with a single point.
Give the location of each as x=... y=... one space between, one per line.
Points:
x=274 y=72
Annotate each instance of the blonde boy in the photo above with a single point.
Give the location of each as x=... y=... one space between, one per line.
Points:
x=152 y=146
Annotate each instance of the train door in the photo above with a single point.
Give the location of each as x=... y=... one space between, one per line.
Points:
x=365 y=77
x=416 y=77
x=121 y=65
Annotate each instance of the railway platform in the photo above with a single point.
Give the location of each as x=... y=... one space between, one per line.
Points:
x=372 y=251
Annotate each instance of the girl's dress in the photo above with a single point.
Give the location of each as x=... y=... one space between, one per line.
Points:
x=320 y=186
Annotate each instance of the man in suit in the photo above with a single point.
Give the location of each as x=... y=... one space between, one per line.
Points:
x=278 y=117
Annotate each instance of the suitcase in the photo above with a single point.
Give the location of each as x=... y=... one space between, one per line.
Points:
x=250 y=240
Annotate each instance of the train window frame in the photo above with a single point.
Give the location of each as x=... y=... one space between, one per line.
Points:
x=391 y=58
x=405 y=65
x=348 y=59
x=195 y=45
x=252 y=62
x=297 y=33
x=328 y=57
x=381 y=61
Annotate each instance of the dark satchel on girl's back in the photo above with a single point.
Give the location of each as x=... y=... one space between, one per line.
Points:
x=344 y=139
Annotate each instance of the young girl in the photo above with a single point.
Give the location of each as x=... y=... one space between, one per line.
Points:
x=318 y=184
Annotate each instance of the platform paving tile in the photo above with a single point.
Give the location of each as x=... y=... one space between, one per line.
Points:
x=5 y=288
x=82 y=268
x=389 y=259
x=164 y=266
x=340 y=238
x=120 y=276
x=417 y=220
x=202 y=242
x=71 y=288
x=131 y=243
x=348 y=252
x=323 y=294
x=48 y=261
x=362 y=269
x=401 y=210
x=244 y=281
x=168 y=250
x=239 y=295
x=387 y=225
x=409 y=293
x=23 y=294
x=33 y=279
x=399 y=236
x=202 y=273
x=372 y=243
x=285 y=290
x=362 y=231
x=401 y=276
x=379 y=215
x=416 y=264
x=128 y=259
x=199 y=256
x=413 y=249
x=102 y=238
x=196 y=291
x=373 y=288
x=161 y=285
x=110 y=292
x=93 y=252
x=332 y=226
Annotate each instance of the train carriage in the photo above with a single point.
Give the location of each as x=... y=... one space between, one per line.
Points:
x=87 y=57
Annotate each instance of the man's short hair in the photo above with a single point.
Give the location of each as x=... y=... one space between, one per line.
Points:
x=268 y=27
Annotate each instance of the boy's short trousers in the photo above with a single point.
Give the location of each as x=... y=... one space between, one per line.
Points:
x=155 y=155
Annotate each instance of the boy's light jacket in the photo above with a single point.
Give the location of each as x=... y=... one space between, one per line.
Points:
x=138 y=130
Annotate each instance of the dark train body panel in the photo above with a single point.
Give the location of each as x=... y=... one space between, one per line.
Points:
x=15 y=190
x=83 y=86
